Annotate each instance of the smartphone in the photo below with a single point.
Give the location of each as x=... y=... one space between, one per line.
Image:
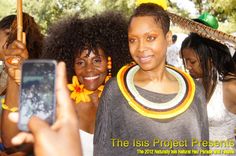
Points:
x=37 y=91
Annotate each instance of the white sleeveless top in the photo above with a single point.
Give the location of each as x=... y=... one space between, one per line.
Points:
x=221 y=122
x=86 y=142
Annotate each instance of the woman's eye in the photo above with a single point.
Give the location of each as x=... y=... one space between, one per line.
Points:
x=151 y=38
x=80 y=62
x=97 y=60
x=131 y=40
x=192 y=62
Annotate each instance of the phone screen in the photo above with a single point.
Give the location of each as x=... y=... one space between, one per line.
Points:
x=37 y=96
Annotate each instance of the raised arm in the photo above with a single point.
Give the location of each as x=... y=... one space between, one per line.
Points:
x=8 y=128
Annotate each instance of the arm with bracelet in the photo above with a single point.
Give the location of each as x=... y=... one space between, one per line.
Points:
x=17 y=49
x=12 y=62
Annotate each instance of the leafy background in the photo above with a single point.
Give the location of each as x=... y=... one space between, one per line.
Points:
x=48 y=11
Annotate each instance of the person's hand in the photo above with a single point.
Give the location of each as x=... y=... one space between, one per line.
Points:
x=63 y=137
x=14 y=55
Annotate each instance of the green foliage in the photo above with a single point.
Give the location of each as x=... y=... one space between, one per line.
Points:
x=44 y=12
x=7 y=7
x=225 y=9
x=125 y=6
x=175 y=9
x=47 y=12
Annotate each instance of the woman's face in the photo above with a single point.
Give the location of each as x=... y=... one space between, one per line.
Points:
x=91 y=70
x=147 y=42
x=3 y=38
x=192 y=63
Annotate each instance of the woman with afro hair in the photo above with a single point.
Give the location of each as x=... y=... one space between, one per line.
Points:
x=93 y=49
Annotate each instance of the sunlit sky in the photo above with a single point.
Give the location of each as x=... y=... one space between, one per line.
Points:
x=186 y=5
x=96 y=1
x=183 y=4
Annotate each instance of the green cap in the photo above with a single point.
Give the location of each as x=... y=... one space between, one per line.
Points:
x=208 y=20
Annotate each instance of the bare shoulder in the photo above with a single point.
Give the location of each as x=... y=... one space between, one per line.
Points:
x=230 y=87
x=229 y=93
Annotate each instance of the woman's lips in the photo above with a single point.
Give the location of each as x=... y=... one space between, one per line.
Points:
x=145 y=59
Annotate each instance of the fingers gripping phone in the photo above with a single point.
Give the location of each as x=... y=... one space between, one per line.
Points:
x=37 y=91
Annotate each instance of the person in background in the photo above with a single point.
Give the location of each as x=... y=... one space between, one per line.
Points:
x=208 y=20
x=150 y=102
x=93 y=49
x=5 y=25
x=172 y=54
x=211 y=63
x=10 y=47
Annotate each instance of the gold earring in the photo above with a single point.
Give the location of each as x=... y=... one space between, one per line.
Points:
x=109 y=66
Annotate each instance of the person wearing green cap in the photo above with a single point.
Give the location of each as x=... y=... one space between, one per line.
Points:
x=208 y=20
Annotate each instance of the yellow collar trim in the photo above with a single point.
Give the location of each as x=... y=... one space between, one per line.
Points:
x=170 y=109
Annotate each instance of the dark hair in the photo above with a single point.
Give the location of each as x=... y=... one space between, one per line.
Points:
x=214 y=58
x=6 y=22
x=69 y=37
x=34 y=38
x=157 y=12
x=234 y=57
x=174 y=38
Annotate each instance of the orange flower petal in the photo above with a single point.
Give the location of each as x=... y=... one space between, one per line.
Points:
x=71 y=87
x=83 y=97
x=87 y=98
x=78 y=99
x=75 y=81
x=73 y=95
x=87 y=91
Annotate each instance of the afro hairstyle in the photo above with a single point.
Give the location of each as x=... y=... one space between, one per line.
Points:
x=69 y=37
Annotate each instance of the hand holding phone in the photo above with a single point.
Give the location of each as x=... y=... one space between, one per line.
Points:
x=37 y=91
x=64 y=132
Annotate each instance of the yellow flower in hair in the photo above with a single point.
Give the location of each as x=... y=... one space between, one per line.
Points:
x=162 y=3
x=78 y=92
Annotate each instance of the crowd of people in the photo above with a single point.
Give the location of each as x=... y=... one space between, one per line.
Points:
x=121 y=87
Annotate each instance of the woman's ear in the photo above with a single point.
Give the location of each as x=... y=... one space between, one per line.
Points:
x=169 y=38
